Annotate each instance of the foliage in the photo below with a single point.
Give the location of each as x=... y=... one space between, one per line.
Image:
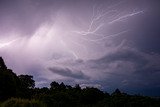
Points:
x=14 y=102
x=8 y=83
x=27 y=81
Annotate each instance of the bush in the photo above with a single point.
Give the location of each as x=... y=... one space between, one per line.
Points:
x=15 y=102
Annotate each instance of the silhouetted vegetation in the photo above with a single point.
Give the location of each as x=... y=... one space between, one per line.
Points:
x=14 y=102
x=20 y=91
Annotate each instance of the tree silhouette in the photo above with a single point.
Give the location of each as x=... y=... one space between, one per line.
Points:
x=27 y=81
x=62 y=86
x=8 y=82
x=92 y=95
x=116 y=92
x=2 y=64
x=54 y=85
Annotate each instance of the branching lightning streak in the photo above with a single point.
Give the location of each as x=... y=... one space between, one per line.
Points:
x=94 y=19
x=100 y=19
x=97 y=23
x=125 y=16
x=105 y=37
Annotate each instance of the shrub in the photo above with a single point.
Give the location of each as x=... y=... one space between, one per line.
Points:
x=15 y=102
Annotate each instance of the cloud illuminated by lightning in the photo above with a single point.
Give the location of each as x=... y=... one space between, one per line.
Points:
x=54 y=37
x=125 y=17
x=5 y=44
x=66 y=40
x=97 y=22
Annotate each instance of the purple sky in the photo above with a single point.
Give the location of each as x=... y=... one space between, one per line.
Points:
x=102 y=43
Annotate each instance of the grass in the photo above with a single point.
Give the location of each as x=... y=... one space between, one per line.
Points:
x=17 y=102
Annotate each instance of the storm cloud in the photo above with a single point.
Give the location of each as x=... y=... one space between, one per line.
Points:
x=103 y=43
x=68 y=73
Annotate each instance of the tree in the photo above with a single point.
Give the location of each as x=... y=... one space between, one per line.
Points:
x=2 y=64
x=116 y=92
x=54 y=85
x=26 y=86
x=77 y=87
x=92 y=95
x=8 y=82
x=27 y=81
x=62 y=86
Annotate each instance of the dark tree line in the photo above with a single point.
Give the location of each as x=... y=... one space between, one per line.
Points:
x=20 y=91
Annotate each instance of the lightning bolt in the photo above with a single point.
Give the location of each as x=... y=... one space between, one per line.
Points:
x=105 y=37
x=95 y=18
x=125 y=16
x=98 y=22
x=100 y=18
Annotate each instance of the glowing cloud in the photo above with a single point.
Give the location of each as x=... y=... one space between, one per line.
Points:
x=5 y=44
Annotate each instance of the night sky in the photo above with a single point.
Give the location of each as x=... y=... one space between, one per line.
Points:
x=107 y=44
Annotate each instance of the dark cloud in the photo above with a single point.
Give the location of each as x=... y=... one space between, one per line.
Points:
x=146 y=29
x=68 y=73
x=128 y=67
